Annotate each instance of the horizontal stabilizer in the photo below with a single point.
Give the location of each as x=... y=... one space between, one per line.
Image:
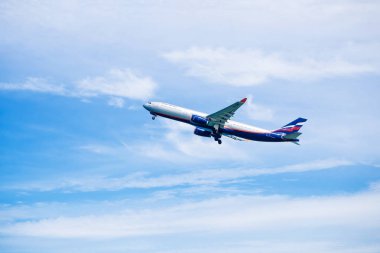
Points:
x=292 y=135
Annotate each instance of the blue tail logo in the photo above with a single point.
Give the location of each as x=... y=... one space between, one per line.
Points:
x=291 y=127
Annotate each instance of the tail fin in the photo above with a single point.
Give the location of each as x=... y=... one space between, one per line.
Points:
x=291 y=130
x=292 y=127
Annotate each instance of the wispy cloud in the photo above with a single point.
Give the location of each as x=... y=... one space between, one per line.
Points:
x=253 y=67
x=143 y=180
x=117 y=84
x=217 y=215
x=36 y=85
x=179 y=142
x=120 y=83
x=97 y=148
x=258 y=112
x=116 y=102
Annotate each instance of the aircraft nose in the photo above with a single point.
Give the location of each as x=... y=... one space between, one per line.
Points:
x=146 y=106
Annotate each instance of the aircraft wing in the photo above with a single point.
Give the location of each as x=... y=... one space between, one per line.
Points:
x=219 y=118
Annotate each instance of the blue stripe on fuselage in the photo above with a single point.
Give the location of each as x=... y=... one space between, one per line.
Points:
x=267 y=137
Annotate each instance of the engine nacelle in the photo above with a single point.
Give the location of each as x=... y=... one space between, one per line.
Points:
x=199 y=120
x=202 y=132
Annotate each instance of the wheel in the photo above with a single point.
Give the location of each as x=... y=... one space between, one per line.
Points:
x=216 y=136
x=219 y=141
x=153 y=117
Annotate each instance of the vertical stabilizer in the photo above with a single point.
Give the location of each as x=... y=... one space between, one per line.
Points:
x=291 y=128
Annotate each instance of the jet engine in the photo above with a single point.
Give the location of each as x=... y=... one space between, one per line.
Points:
x=202 y=132
x=199 y=120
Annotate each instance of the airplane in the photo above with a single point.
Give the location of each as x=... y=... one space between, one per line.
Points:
x=218 y=124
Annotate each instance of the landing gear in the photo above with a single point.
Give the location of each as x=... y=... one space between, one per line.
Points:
x=217 y=137
x=153 y=117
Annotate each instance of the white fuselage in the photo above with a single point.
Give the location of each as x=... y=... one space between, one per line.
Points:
x=183 y=114
x=217 y=124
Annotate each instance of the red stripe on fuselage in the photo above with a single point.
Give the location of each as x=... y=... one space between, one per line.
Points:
x=292 y=129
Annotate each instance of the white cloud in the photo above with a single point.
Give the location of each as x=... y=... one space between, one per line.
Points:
x=258 y=112
x=134 y=107
x=187 y=144
x=141 y=180
x=117 y=21
x=264 y=214
x=121 y=83
x=253 y=67
x=35 y=85
x=116 y=102
x=177 y=144
x=116 y=84
x=97 y=149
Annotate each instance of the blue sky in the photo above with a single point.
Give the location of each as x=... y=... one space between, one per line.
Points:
x=83 y=167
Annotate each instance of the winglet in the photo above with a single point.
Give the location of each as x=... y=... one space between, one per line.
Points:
x=243 y=100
